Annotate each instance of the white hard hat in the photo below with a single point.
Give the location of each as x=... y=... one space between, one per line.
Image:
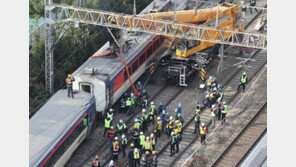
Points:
x=213 y=106
x=108 y=116
x=210 y=77
x=172 y=133
x=136 y=120
x=123 y=136
x=203 y=124
x=136 y=149
x=116 y=138
x=132 y=94
x=147 y=138
x=152 y=102
x=143 y=110
x=158 y=118
x=141 y=133
x=244 y=73
x=111 y=127
x=120 y=121
x=215 y=89
x=111 y=109
x=151 y=135
x=171 y=117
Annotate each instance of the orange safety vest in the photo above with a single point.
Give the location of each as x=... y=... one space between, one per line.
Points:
x=68 y=80
x=115 y=148
x=96 y=162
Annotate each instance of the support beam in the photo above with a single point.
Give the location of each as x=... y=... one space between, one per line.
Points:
x=161 y=27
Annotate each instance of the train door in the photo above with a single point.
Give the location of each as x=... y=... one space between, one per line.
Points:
x=111 y=93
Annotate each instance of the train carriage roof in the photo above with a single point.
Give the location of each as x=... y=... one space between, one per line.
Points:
x=53 y=120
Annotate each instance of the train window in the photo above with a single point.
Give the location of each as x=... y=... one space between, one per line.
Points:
x=149 y=51
x=142 y=58
x=125 y=75
x=156 y=44
x=135 y=66
x=86 y=88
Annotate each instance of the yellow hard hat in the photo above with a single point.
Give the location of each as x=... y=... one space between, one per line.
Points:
x=177 y=121
x=96 y=157
x=153 y=152
x=116 y=142
x=147 y=152
x=135 y=127
x=132 y=144
x=69 y=75
x=176 y=130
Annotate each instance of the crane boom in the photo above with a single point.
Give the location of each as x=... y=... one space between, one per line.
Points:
x=160 y=27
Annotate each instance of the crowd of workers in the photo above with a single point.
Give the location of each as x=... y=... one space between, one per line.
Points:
x=142 y=149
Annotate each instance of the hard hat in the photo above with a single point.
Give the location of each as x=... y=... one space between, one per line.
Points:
x=123 y=136
x=151 y=103
x=214 y=78
x=213 y=106
x=111 y=127
x=143 y=110
x=108 y=116
x=176 y=110
x=111 y=109
x=141 y=133
x=176 y=131
x=116 y=142
x=144 y=90
x=153 y=152
x=163 y=111
x=210 y=77
x=177 y=121
x=215 y=89
x=244 y=73
x=160 y=103
x=147 y=152
x=132 y=144
x=180 y=104
x=219 y=85
x=224 y=102
x=135 y=127
x=196 y=101
x=171 y=117
x=96 y=157
x=116 y=138
x=139 y=82
x=69 y=75
x=179 y=114
x=111 y=162
x=172 y=133
x=121 y=100
x=158 y=118
x=128 y=98
x=120 y=121
x=132 y=94
x=136 y=149
x=203 y=124
x=136 y=120
x=151 y=135
x=147 y=138
x=167 y=113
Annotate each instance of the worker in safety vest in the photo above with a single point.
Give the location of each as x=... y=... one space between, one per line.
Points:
x=112 y=142
x=128 y=105
x=111 y=132
x=108 y=123
x=177 y=139
x=206 y=101
x=180 y=118
x=158 y=127
x=209 y=83
x=137 y=123
x=136 y=157
x=203 y=132
x=197 y=105
x=110 y=113
x=170 y=126
x=172 y=144
x=144 y=94
x=154 y=159
x=153 y=140
x=179 y=127
x=139 y=86
x=145 y=121
x=213 y=114
x=145 y=159
x=196 y=121
x=122 y=108
x=224 y=111
x=142 y=140
x=144 y=103
x=115 y=151
x=243 y=81
x=219 y=109
x=133 y=99
x=131 y=155
x=96 y=162
x=135 y=133
x=147 y=146
x=69 y=84
x=123 y=145
x=152 y=112
x=253 y=3
x=112 y=164
x=121 y=127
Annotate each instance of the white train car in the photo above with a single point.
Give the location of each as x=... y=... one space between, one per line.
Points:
x=58 y=128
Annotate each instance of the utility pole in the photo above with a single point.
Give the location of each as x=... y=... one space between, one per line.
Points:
x=49 y=38
x=134 y=9
x=221 y=52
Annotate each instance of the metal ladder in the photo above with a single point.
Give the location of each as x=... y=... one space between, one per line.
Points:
x=182 y=77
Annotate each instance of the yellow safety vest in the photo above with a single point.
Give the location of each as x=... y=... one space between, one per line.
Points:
x=136 y=155
x=107 y=123
x=142 y=139
x=159 y=125
x=203 y=130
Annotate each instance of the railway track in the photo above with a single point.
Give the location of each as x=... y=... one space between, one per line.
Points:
x=243 y=142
